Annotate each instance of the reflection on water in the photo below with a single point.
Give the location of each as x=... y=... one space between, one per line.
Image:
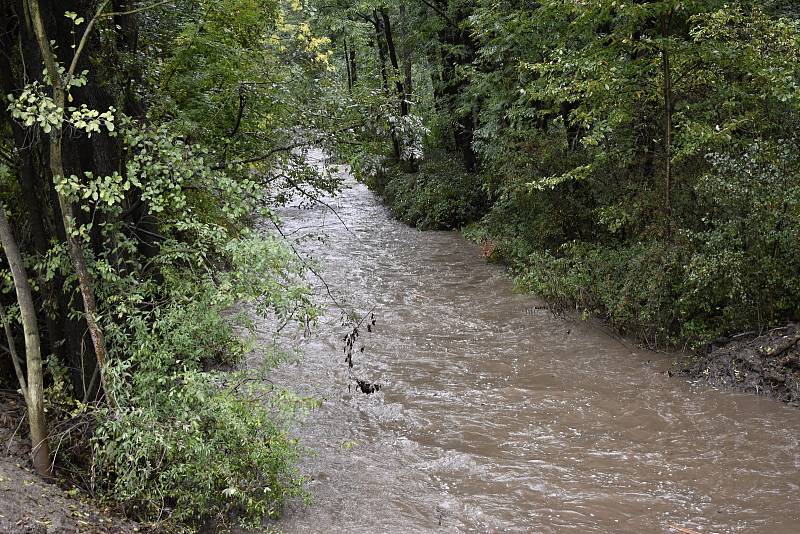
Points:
x=493 y=417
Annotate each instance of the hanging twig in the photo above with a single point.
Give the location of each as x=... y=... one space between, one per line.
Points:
x=307 y=265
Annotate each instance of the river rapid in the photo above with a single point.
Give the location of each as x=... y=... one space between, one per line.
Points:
x=495 y=416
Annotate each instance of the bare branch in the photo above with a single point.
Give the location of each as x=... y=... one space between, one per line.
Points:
x=307 y=265
x=137 y=10
x=441 y=13
x=84 y=39
x=12 y=349
x=263 y=156
x=90 y=26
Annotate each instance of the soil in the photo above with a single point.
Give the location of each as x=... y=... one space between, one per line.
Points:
x=28 y=504
x=766 y=365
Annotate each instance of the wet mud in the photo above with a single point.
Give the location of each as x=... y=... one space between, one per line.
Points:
x=29 y=504
x=767 y=365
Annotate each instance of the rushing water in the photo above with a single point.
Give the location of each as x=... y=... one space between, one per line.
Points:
x=496 y=417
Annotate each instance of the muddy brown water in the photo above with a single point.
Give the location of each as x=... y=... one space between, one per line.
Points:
x=496 y=417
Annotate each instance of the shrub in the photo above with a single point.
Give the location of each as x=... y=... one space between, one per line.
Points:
x=193 y=449
x=632 y=287
x=184 y=440
x=440 y=196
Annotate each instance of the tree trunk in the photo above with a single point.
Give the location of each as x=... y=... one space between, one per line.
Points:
x=347 y=65
x=34 y=392
x=75 y=248
x=12 y=350
x=450 y=87
x=353 y=70
x=385 y=77
x=31 y=190
x=381 y=53
x=28 y=180
x=401 y=94
x=667 y=74
x=406 y=55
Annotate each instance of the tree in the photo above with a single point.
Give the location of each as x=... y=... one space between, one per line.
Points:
x=60 y=86
x=33 y=388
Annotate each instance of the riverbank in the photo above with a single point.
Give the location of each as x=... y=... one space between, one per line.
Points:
x=494 y=415
x=664 y=292
x=764 y=365
x=28 y=504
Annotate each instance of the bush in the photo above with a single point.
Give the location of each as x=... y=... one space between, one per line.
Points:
x=744 y=272
x=632 y=287
x=183 y=440
x=195 y=449
x=738 y=270
x=440 y=196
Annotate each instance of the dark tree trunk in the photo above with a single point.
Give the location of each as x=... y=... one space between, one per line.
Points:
x=401 y=94
x=347 y=66
x=63 y=334
x=406 y=55
x=352 y=62
x=376 y=21
x=457 y=50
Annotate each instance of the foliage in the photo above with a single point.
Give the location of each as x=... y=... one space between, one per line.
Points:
x=744 y=268
x=635 y=159
x=190 y=443
x=438 y=196
x=187 y=123
x=183 y=441
x=196 y=452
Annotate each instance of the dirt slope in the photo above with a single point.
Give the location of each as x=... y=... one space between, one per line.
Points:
x=766 y=365
x=29 y=504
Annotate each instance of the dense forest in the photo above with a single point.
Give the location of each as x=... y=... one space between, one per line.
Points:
x=635 y=161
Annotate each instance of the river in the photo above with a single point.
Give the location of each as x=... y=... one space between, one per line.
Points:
x=495 y=416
